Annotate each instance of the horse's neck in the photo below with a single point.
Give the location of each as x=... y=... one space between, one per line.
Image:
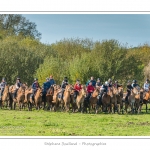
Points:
x=95 y=93
x=67 y=92
x=80 y=94
x=37 y=94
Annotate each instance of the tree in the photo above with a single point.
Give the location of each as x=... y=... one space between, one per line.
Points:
x=15 y=24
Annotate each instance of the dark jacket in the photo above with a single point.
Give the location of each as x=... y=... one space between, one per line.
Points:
x=51 y=82
x=129 y=88
x=98 y=84
x=64 y=83
x=35 y=86
x=93 y=82
x=2 y=85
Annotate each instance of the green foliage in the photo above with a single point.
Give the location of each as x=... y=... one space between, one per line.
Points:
x=81 y=68
x=16 y=24
x=15 y=61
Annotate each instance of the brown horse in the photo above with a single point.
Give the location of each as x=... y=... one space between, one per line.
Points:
x=146 y=98
x=133 y=101
x=49 y=97
x=67 y=97
x=21 y=97
x=6 y=98
x=138 y=93
x=28 y=100
x=119 y=97
x=57 y=101
x=113 y=92
x=38 y=98
x=94 y=100
x=106 y=101
x=12 y=89
x=80 y=98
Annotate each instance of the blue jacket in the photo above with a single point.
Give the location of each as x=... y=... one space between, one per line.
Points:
x=134 y=85
x=35 y=86
x=46 y=86
x=51 y=81
x=93 y=82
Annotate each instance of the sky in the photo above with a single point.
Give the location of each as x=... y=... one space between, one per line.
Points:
x=130 y=29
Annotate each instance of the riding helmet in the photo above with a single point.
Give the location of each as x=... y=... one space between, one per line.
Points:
x=35 y=79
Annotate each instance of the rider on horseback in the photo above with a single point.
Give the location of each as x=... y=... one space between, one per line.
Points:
x=109 y=83
x=146 y=85
x=45 y=87
x=34 y=87
x=90 y=90
x=91 y=80
x=77 y=88
x=129 y=88
x=104 y=88
x=2 y=86
x=63 y=86
x=134 y=83
x=17 y=85
x=98 y=83
x=116 y=85
x=51 y=80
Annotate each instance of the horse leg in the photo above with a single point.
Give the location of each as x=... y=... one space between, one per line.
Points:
x=82 y=107
x=146 y=107
x=97 y=107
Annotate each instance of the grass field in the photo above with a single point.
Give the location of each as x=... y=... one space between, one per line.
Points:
x=45 y=123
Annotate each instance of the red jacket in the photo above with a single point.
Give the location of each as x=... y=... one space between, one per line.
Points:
x=77 y=87
x=90 y=88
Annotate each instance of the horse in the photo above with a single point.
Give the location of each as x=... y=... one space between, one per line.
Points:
x=146 y=98
x=94 y=100
x=6 y=98
x=106 y=101
x=57 y=101
x=67 y=97
x=119 y=97
x=113 y=92
x=28 y=99
x=80 y=99
x=49 y=97
x=38 y=98
x=133 y=101
x=21 y=97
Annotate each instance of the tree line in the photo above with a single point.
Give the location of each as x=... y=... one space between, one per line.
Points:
x=22 y=54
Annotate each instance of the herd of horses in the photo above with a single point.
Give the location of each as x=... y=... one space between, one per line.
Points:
x=111 y=102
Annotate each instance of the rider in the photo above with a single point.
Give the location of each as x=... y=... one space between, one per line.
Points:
x=45 y=87
x=63 y=86
x=134 y=83
x=146 y=85
x=109 y=83
x=90 y=90
x=77 y=88
x=104 y=88
x=117 y=84
x=18 y=85
x=35 y=86
x=91 y=80
x=51 y=80
x=2 y=86
x=98 y=83
x=129 y=88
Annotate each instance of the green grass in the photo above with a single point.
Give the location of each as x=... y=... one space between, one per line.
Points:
x=45 y=123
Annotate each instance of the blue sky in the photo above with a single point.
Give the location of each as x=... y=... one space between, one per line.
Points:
x=133 y=29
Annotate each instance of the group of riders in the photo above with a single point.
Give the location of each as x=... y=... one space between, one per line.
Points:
x=90 y=87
